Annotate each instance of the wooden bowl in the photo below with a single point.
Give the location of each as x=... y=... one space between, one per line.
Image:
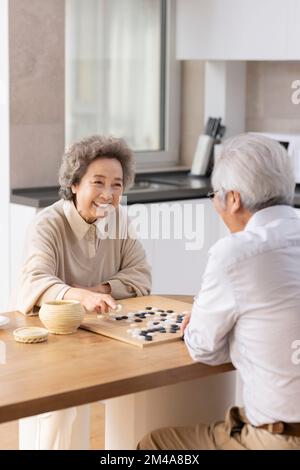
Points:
x=61 y=317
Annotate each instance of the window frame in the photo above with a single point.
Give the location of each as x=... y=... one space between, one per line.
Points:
x=170 y=126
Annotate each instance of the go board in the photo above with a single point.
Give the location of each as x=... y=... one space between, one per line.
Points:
x=141 y=321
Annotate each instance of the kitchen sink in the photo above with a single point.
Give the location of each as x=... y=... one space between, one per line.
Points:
x=165 y=182
x=148 y=185
x=166 y=187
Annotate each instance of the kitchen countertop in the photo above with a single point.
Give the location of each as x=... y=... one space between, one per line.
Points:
x=149 y=187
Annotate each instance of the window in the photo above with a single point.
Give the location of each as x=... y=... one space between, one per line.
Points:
x=121 y=75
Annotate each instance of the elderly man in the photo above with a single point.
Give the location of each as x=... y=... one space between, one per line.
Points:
x=248 y=307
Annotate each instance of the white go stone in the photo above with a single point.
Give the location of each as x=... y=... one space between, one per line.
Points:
x=136 y=330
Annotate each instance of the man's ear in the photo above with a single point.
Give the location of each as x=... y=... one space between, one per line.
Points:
x=236 y=203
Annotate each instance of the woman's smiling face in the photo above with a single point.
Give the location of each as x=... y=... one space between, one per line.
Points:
x=100 y=189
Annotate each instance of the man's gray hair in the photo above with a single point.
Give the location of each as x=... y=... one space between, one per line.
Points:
x=79 y=155
x=259 y=168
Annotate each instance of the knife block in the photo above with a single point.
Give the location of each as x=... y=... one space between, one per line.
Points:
x=202 y=155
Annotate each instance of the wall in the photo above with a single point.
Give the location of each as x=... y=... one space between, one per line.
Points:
x=269 y=106
x=37 y=83
x=192 y=104
x=4 y=170
x=36 y=35
x=268 y=101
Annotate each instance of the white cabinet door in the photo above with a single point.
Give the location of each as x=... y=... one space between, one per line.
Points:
x=20 y=219
x=236 y=30
x=140 y=216
x=180 y=235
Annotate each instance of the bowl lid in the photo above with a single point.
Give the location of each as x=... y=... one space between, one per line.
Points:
x=30 y=334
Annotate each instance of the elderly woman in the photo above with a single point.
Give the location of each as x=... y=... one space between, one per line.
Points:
x=71 y=255
x=68 y=245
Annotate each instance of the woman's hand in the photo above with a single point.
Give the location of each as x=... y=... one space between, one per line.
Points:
x=91 y=301
x=95 y=302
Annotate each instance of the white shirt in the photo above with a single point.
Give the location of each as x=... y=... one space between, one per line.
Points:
x=248 y=311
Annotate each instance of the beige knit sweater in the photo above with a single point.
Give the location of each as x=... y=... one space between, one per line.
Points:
x=63 y=250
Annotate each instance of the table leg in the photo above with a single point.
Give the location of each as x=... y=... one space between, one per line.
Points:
x=130 y=417
x=56 y=430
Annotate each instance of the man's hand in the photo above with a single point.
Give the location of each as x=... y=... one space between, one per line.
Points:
x=91 y=301
x=185 y=322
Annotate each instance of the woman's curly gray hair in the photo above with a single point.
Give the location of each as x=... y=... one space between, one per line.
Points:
x=79 y=155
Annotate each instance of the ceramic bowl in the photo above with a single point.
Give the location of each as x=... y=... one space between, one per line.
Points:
x=61 y=317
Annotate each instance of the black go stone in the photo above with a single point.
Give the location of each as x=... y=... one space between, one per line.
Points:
x=170 y=311
x=119 y=318
x=138 y=320
x=148 y=308
x=124 y=317
x=148 y=338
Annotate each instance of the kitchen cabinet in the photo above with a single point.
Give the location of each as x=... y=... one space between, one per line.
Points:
x=177 y=263
x=20 y=220
x=235 y=30
x=293 y=30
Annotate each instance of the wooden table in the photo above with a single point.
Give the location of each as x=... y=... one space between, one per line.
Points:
x=85 y=367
